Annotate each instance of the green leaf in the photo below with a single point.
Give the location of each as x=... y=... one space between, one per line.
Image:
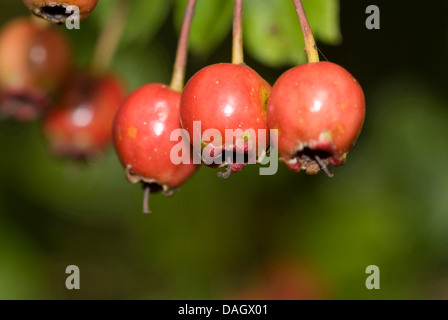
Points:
x=323 y=16
x=145 y=19
x=272 y=30
x=211 y=24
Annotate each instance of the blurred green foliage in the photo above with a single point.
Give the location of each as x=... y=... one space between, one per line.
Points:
x=270 y=29
x=388 y=206
x=145 y=19
x=212 y=23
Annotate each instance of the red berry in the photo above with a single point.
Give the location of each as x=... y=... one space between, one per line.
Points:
x=226 y=96
x=80 y=125
x=55 y=10
x=141 y=132
x=34 y=60
x=318 y=110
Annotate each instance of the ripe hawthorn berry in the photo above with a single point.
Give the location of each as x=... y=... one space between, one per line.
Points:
x=56 y=10
x=34 y=60
x=80 y=125
x=226 y=96
x=318 y=109
x=145 y=122
x=141 y=132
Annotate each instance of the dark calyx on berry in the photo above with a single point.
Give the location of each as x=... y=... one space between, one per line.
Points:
x=57 y=11
x=232 y=161
x=312 y=161
x=53 y=12
x=23 y=106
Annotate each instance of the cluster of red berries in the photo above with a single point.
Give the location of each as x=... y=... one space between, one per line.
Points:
x=316 y=111
x=38 y=80
x=313 y=114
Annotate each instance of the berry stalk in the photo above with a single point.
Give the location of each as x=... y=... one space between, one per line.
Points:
x=110 y=36
x=146 y=194
x=180 y=64
x=237 y=48
x=310 y=44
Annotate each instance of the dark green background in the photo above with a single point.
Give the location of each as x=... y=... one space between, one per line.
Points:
x=388 y=206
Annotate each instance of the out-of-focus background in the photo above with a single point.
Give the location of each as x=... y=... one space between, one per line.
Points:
x=283 y=236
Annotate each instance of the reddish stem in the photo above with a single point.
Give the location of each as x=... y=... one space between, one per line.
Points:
x=237 y=48
x=178 y=78
x=310 y=44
